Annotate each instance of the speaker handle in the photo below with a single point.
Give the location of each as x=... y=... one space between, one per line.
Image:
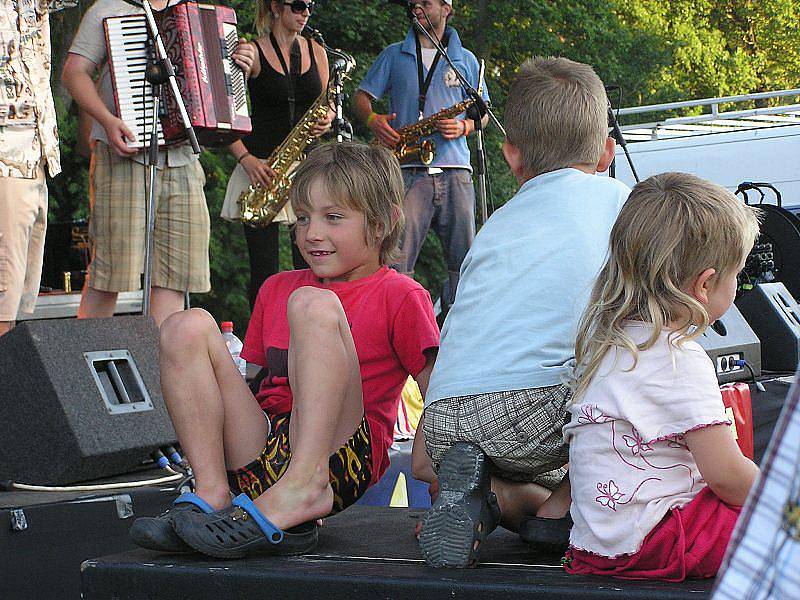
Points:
x=757 y=186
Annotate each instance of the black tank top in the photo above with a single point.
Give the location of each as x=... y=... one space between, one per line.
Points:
x=270 y=106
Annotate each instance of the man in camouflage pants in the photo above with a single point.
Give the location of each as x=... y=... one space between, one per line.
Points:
x=28 y=142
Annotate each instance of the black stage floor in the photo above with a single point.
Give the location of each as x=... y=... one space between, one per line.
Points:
x=365 y=552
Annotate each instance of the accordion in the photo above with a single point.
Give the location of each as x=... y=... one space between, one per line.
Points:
x=199 y=40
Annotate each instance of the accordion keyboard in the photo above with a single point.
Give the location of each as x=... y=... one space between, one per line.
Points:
x=127 y=53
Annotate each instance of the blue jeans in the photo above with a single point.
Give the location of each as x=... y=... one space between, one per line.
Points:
x=446 y=202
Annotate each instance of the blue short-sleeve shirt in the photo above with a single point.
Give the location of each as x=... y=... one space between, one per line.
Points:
x=395 y=72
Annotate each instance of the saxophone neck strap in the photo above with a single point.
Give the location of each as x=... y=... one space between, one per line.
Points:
x=291 y=73
x=425 y=82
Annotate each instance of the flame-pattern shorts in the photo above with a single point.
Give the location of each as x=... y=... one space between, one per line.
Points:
x=350 y=467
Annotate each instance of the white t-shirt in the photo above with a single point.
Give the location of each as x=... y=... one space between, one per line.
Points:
x=628 y=462
x=524 y=284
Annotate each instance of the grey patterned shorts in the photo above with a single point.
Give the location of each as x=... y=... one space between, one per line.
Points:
x=519 y=430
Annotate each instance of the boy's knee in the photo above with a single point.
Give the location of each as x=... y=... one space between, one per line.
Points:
x=186 y=329
x=314 y=305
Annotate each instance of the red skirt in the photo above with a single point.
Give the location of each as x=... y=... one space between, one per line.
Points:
x=689 y=542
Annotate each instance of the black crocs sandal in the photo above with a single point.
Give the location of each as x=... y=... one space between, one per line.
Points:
x=546 y=535
x=465 y=512
x=157 y=533
x=241 y=530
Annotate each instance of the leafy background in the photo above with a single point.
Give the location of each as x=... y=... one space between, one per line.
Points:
x=657 y=50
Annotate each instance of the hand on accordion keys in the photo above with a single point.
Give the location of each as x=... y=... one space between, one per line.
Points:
x=118 y=135
x=244 y=56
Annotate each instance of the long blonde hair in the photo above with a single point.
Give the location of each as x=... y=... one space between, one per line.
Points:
x=673 y=227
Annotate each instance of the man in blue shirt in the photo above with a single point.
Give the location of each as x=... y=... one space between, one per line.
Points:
x=440 y=194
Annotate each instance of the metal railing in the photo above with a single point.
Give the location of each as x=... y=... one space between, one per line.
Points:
x=713 y=121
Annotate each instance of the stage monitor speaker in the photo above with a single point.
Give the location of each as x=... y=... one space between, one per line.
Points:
x=80 y=399
x=728 y=340
x=774 y=315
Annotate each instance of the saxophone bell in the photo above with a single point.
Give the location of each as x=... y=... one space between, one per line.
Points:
x=424 y=152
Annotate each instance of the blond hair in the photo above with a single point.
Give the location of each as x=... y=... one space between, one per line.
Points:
x=672 y=228
x=556 y=115
x=361 y=177
x=265 y=16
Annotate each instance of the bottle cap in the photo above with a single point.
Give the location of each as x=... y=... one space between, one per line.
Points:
x=226 y=326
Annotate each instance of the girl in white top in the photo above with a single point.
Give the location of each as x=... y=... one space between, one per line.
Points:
x=655 y=472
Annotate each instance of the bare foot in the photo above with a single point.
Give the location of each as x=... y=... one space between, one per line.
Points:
x=287 y=503
x=216 y=498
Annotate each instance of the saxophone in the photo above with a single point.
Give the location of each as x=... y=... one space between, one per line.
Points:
x=259 y=205
x=411 y=147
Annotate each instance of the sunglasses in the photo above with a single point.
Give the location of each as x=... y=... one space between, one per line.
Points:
x=298 y=6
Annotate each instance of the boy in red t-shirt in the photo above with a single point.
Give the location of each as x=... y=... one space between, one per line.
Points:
x=338 y=340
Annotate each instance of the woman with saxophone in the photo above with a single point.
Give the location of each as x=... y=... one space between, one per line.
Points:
x=287 y=75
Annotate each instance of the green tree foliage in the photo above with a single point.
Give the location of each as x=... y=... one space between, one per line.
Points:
x=656 y=50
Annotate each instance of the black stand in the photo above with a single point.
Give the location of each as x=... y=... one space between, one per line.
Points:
x=342 y=128
x=158 y=73
x=475 y=112
x=616 y=133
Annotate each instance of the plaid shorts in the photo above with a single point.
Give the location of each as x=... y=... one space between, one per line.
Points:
x=350 y=467
x=519 y=430
x=117 y=225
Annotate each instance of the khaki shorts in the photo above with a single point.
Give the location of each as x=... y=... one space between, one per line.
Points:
x=520 y=431
x=117 y=225
x=23 y=224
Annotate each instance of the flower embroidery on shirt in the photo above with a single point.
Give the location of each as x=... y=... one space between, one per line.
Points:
x=588 y=415
x=635 y=442
x=609 y=494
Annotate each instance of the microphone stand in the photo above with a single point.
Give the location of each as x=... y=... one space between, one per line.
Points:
x=157 y=73
x=474 y=112
x=616 y=133
x=342 y=128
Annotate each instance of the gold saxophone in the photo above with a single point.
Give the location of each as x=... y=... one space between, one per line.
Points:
x=259 y=205
x=412 y=147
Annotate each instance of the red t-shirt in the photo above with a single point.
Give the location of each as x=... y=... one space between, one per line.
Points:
x=392 y=322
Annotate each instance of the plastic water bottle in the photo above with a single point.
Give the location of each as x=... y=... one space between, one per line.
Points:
x=234 y=345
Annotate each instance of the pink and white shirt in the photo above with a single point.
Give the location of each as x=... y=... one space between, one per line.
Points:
x=628 y=462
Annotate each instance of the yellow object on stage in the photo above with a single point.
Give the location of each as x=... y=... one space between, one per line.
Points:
x=409 y=411
x=400 y=493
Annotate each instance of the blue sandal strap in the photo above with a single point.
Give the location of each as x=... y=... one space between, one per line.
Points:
x=190 y=498
x=272 y=533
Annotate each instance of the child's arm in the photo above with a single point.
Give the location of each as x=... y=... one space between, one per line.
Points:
x=725 y=469
x=421 y=467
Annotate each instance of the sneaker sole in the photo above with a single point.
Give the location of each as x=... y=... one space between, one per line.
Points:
x=449 y=531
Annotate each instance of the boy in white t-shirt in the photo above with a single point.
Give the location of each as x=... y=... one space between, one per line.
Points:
x=496 y=403
x=657 y=478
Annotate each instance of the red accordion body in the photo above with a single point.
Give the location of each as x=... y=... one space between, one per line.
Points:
x=199 y=40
